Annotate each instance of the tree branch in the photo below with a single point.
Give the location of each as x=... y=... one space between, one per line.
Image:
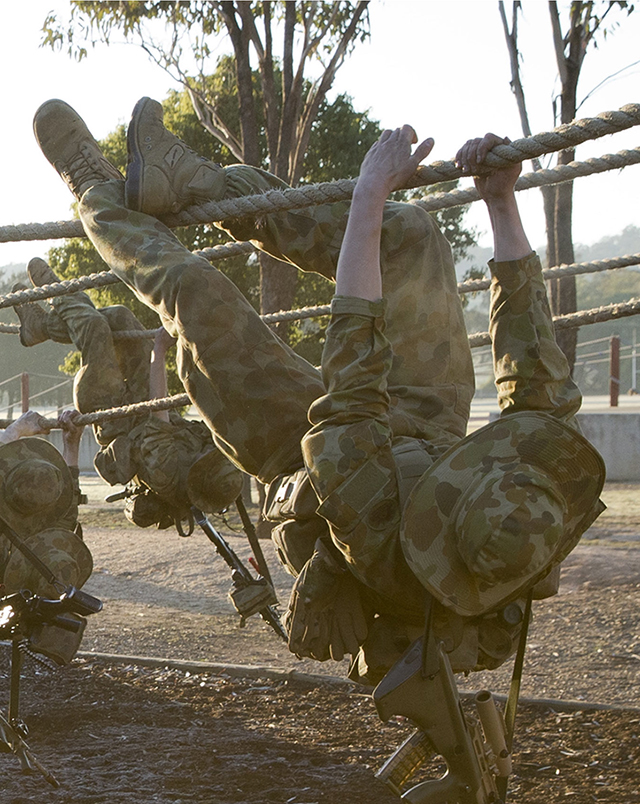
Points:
x=318 y=92
x=558 y=41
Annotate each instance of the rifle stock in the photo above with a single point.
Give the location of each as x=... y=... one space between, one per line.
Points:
x=432 y=703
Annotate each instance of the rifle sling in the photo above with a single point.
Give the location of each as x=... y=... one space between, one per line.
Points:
x=514 y=693
x=30 y=555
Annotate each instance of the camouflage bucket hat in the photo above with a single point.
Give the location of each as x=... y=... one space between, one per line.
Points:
x=35 y=485
x=497 y=511
x=213 y=482
x=61 y=551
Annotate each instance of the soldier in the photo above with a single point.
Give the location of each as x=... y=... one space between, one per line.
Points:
x=39 y=498
x=389 y=511
x=173 y=463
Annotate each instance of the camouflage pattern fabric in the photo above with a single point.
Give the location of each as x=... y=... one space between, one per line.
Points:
x=38 y=494
x=112 y=372
x=115 y=372
x=499 y=509
x=251 y=389
x=62 y=552
x=350 y=447
x=36 y=487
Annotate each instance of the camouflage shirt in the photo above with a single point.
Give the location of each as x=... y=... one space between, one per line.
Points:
x=357 y=466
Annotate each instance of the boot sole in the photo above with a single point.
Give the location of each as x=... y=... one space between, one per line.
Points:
x=133 y=186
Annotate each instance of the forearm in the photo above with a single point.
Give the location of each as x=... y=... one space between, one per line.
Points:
x=358 y=271
x=510 y=241
x=158 y=386
x=71 y=452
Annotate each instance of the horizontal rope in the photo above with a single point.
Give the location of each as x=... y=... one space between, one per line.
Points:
x=560 y=138
x=103 y=278
x=608 y=312
x=471 y=286
x=564 y=136
x=559 y=271
x=539 y=178
x=597 y=315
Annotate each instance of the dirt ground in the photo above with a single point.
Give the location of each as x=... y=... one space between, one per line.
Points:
x=117 y=729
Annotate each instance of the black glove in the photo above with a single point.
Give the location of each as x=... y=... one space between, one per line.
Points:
x=326 y=617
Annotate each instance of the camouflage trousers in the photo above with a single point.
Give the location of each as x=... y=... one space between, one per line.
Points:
x=251 y=389
x=113 y=372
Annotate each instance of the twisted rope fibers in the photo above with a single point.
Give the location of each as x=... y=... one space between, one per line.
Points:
x=565 y=136
x=560 y=138
x=471 y=286
x=539 y=178
x=597 y=315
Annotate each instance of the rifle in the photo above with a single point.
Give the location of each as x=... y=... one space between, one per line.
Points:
x=36 y=625
x=475 y=752
x=249 y=595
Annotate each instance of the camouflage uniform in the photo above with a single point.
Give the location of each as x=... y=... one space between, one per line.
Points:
x=398 y=374
x=39 y=499
x=112 y=372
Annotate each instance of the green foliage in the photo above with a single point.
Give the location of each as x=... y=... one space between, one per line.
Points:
x=340 y=138
x=71 y=363
x=93 y=21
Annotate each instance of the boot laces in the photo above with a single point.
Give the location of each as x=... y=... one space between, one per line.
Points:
x=86 y=166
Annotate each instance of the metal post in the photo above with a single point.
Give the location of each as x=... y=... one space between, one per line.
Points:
x=634 y=364
x=24 y=391
x=614 y=371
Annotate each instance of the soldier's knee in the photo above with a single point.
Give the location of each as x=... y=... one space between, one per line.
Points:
x=120 y=317
x=406 y=225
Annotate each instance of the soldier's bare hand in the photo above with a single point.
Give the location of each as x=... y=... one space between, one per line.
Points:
x=29 y=424
x=499 y=182
x=390 y=162
x=71 y=431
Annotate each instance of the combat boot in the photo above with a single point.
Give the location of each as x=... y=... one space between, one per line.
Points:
x=33 y=320
x=68 y=144
x=40 y=273
x=164 y=174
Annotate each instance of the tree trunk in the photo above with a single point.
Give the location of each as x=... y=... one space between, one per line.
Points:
x=278 y=283
x=566 y=294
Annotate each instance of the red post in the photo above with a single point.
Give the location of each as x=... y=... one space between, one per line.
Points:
x=614 y=371
x=24 y=391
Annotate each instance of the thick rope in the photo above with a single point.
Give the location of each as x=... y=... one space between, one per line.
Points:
x=560 y=138
x=597 y=315
x=573 y=269
x=564 y=136
x=471 y=286
x=103 y=278
x=608 y=312
x=539 y=178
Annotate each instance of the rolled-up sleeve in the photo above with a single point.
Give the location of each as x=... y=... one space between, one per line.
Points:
x=349 y=458
x=531 y=372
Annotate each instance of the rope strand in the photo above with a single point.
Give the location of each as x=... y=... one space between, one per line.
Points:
x=565 y=136
x=608 y=312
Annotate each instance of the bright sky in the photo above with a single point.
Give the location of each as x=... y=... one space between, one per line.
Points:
x=440 y=65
